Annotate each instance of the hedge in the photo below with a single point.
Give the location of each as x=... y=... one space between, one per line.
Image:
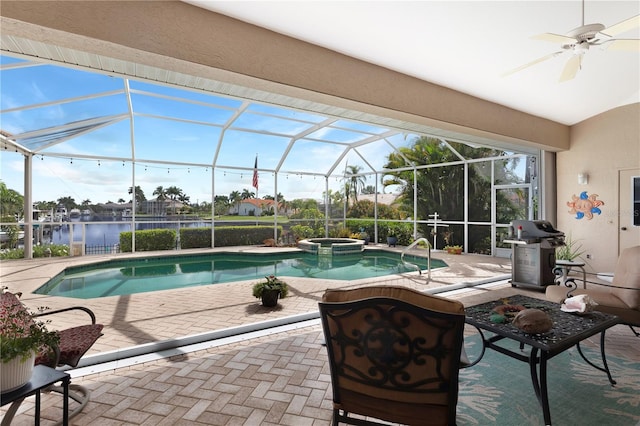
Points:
x=149 y=240
x=226 y=236
x=402 y=230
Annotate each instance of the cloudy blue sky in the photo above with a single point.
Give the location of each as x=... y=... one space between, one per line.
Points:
x=178 y=134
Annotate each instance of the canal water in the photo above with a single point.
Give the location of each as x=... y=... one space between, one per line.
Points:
x=104 y=234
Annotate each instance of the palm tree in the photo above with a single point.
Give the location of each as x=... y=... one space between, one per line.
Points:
x=173 y=192
x=353 y=182
x=68 y=202
x=160 y=193
x=438 y=188
x=246 y=194
x=184 y=199
x=139 y=194
x=441 y=189
x=234 y=198
x=11 y=202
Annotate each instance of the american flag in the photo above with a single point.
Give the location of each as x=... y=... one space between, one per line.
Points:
x=255 y=174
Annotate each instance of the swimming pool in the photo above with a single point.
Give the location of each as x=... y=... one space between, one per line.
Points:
x=139 y=275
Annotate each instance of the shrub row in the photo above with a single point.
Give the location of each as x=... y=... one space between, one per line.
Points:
x=54 y=250
x=402 y=230
x=149 y=240
x=225 y=236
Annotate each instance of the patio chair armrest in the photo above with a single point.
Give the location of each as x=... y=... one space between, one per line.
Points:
x=570 y=282
x=71 y=308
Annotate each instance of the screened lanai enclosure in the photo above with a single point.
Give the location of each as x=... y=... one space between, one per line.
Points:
x=94 y=153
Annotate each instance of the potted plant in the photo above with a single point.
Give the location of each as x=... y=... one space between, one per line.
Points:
x=270 y=290
x=21 y=339
x=453 y=249
x=365 y=236
x=570 y=251
x=392 y=239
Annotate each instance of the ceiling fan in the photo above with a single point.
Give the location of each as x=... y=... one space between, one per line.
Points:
x=578 y=41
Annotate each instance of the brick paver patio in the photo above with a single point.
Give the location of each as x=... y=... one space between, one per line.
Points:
x=279 y=377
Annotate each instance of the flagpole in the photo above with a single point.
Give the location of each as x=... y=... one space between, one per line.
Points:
x=254 y=183
x=346 y=196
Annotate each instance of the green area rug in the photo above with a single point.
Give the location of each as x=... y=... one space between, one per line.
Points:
x=498 y=391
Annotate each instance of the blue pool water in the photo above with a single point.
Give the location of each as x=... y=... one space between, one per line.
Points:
x=122 y=277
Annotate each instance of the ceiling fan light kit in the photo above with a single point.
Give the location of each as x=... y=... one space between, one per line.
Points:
x=579 y=40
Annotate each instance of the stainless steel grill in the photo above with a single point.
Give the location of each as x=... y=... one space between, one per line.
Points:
x=533 y=255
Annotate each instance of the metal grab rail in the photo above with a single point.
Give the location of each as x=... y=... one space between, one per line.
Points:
x=412 y=245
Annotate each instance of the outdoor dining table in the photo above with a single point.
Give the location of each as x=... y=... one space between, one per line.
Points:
x=569 y=329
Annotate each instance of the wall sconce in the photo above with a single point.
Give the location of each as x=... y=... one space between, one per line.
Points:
x=583 y=178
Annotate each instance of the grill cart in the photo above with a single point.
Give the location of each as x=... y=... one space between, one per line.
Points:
x=533 y=255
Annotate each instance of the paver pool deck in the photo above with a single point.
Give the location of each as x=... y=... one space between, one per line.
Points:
x=280 y=377
x=144 y=318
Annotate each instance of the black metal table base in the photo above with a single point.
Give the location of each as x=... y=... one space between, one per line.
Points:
x=538 y=367
x=568 y=331
x=41 y=378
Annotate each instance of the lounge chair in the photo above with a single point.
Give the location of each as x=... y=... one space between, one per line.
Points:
x=620 y=297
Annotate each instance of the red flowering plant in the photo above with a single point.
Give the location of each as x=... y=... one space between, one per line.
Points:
x=20 y=335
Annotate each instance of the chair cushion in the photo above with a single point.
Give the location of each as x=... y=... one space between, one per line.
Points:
x=429 y=301
x=74 y=343
x=627 y=274
x=557 y=293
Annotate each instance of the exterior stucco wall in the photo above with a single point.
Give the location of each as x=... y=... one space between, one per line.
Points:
x=600 y=146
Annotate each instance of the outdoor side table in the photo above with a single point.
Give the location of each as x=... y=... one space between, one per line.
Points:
x=42 y=377
x=565 y=268
x=568 y=331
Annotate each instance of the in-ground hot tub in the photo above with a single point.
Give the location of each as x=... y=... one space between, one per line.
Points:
x=332 y=246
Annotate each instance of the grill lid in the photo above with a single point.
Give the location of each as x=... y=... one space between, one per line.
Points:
x=535 y=229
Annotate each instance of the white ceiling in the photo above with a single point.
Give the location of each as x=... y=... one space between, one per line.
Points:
x=468 y=45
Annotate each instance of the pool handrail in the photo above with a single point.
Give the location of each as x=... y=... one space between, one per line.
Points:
x=412 y=245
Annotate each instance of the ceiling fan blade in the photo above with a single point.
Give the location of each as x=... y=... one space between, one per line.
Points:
x=554 y=38
x=527 y=65
x=623 y=26
x=624 y=44
x=571 y=68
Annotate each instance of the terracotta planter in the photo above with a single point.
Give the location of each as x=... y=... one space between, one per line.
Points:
x=16 y=373
x=270 y=298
